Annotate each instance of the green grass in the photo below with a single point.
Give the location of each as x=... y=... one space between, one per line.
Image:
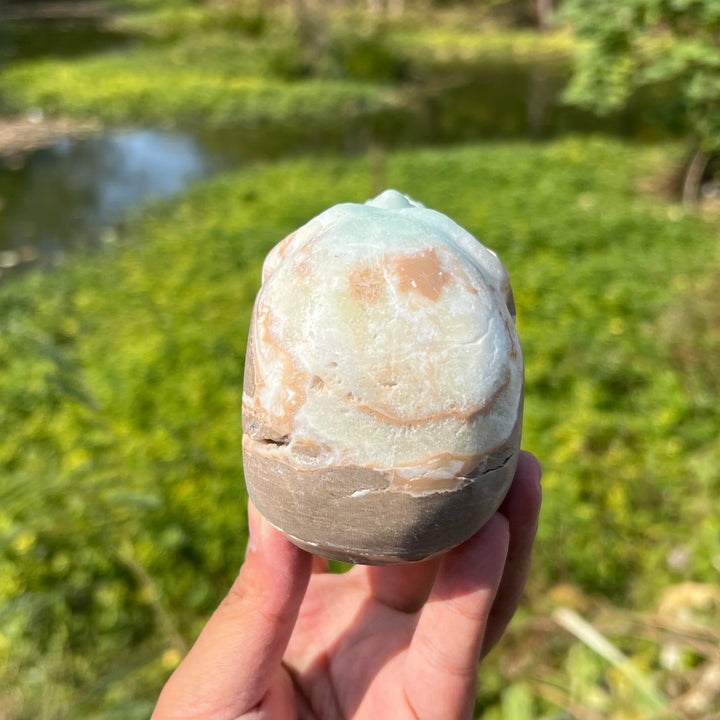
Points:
x=232 y=64
x=122 y=505
x=158 y=86
x=214 y=66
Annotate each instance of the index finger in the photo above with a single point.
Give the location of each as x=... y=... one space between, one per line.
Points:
x=236 y=658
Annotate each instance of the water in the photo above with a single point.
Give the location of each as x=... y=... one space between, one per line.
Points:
x=71 y=194
x=67 y=195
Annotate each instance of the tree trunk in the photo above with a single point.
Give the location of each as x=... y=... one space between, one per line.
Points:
x=539 y=99
x=693 y=178
x=378 y=169
x=544 y=13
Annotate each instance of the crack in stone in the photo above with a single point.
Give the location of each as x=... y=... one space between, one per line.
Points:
x=277 y=442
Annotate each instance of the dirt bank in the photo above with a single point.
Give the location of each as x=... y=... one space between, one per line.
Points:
x=21 y=135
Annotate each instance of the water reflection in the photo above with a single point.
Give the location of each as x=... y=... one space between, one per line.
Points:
x=64 y=195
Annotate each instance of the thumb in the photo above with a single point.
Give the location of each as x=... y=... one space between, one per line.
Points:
x=230 y=668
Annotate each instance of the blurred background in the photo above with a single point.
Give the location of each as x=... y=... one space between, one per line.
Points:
x=151 y=153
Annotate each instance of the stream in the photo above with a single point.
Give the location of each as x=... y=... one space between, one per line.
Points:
x=72 y=193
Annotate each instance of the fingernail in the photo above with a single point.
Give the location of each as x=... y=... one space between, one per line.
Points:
x=253 y=529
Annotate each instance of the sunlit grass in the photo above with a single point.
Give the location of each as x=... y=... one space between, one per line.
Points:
x=153 y=87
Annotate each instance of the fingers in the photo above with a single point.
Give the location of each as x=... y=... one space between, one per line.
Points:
x=407 y=587
x=441 y=667
x=521 y=507
x=235 y=662
x=402 y=587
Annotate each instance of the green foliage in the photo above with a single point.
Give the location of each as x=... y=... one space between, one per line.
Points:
x=668 y=43
x=172 y=20
x=122 y=504
x=166 y=87
x=429 y=43
x=230 y=65
x=235 y=64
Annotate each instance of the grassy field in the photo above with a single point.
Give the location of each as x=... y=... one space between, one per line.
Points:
x=122 y=503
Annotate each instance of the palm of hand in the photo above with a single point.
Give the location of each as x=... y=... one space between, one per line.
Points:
x=400 y=642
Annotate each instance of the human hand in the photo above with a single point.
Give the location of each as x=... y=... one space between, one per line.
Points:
x=292 y=640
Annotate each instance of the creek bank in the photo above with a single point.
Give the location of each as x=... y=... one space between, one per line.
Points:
x=24 y=134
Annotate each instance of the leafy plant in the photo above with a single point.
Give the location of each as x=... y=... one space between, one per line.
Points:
x=670 y=44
